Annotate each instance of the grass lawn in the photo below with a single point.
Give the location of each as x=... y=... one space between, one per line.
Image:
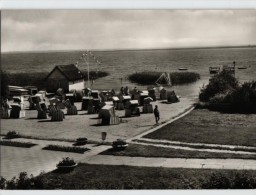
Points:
x=204 y=126
x=87 y=176
x=136 y=150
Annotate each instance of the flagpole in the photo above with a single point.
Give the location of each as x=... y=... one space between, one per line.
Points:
x=88 y=68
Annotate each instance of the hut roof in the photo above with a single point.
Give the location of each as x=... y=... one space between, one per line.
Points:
x=71 y=72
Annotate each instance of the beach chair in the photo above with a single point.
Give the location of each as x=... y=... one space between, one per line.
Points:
x=41 y=111
x=16 y=112
x=4 y=113
x=57 y=115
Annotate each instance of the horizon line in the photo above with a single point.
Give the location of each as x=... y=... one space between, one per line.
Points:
x=129 y=49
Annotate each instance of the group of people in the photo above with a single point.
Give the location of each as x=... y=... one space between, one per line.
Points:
x=125 y=90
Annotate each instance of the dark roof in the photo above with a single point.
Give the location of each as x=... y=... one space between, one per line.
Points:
x=71 y=72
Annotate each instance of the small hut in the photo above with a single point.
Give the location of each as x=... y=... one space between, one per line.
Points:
x=67 y=77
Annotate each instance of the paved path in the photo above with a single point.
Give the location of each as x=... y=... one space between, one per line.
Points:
x=172 y=162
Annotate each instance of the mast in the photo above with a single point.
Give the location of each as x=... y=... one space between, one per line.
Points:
x=88 y=68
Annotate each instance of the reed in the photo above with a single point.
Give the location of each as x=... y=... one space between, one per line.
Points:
x=38 y=78
x=177 y=78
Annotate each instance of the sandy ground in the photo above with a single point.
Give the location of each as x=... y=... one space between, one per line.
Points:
x=84 y=125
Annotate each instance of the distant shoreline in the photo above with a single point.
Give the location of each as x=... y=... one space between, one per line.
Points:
x=141 y=49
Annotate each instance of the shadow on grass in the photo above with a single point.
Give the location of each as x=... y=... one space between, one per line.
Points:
x=43 y=121
x=95 y=118
x=31 y=118
x=112 y=151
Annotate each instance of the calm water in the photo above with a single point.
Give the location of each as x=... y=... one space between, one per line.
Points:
x=121 y=63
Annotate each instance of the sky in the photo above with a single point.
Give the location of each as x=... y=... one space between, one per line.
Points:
x=39 y=30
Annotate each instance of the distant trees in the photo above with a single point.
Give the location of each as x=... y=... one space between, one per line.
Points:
x=4 y=84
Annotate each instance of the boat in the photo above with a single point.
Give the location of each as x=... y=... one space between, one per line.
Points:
x=183 y=68
x=241 y=67
x=214 y=69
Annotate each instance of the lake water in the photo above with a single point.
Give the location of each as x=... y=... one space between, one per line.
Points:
x=122 y=63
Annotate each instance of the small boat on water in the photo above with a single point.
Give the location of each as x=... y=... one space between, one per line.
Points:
x=241 y=67
x=183 y=68
x=214 y=69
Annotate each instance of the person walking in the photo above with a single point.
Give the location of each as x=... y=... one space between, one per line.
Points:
x=157 y=114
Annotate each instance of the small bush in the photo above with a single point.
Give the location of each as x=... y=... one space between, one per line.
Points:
x=66 y=162
x=12 y=135
x=66 y=149
x=119 y=144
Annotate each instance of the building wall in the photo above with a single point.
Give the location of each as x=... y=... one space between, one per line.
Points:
x=55 y=81
x=77 y=85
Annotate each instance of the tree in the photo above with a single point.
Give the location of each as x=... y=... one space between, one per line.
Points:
x=4 y=84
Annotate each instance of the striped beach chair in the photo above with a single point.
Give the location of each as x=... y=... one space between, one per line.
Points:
x=71 y=109
x=57 y=115
x=41 y=111
x=4 y=113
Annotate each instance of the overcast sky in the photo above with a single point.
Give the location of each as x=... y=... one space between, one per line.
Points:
x=125 y=29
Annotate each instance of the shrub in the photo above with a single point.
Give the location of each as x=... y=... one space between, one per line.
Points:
x=218 y=84
x=149 y=78
x=242 y=180
x=66 y=162
x=17 y=144
x=2 y=183
x=65 y=148
x=244 y=98
x=217 y=181
x=5 y=80
x=23 y=182
x=12 y=135
x=119 y=144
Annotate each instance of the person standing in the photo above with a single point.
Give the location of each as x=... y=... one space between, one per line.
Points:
x=157 y=114
x=126 y=90
x=122 y=90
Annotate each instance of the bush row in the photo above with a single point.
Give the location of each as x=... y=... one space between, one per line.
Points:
x=17 y=144
x=216 y=180
x=66 y=149
x=149 y=78
x=38 y=78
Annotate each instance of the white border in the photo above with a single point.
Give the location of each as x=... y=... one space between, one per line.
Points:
x=128 y=4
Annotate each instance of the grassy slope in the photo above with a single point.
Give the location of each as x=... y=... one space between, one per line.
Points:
x=153 y=151
x=203 y=126
x=127 y=177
